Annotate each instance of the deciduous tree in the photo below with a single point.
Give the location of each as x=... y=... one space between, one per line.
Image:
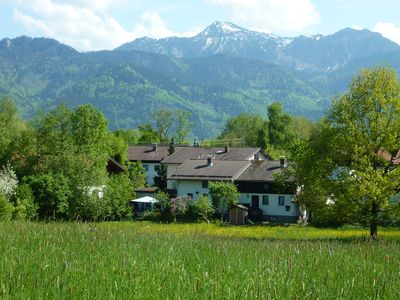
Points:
x=223 y=195
x=351 y=161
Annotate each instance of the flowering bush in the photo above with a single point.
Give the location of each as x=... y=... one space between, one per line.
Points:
x=8 y=181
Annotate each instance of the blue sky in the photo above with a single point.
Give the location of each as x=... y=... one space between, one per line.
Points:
x=105 y=24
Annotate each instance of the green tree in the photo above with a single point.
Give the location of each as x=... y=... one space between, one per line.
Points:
x=302 y=127
x=164 y=121
x=16 y=141
x=351 y=159
x=52 y=194
x=148 y=135
x=10 y=127
x=164 y=207
x=183 y=125
x=6 y=208
x=118 y=148
x=280 y=127
x=203 y=208
x=91 y=137
x=160 y=180
x=24 y=206
x=223 y=195
x=117 y=195
x=130 y=136
x=243 y=130
x=136 y=174
x=73 y=146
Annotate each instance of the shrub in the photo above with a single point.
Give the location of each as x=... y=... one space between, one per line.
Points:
x=116 y=198
x=8 y=181
x=203 y=209
x=164 y=207
x=24 y=206
x=5 y=208
x=52 y=194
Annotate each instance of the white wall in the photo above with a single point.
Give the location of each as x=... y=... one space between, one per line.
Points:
x=273 y=209
x=171 y=184
x=151 y=172
x=185 y=187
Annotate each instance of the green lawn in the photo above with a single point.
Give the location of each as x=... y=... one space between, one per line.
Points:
x=195 y=261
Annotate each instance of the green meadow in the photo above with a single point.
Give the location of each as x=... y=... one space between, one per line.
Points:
x=141 y=260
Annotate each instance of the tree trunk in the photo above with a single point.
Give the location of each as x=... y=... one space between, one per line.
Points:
x=374 y=221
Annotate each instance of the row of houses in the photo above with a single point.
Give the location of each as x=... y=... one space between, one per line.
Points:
x=190 y=169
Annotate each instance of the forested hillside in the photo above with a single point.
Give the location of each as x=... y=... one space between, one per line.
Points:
x=236 y=71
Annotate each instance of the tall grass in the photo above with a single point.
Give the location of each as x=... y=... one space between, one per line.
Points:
x=147 y=261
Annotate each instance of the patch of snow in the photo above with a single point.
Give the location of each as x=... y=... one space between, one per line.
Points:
x=285 y=42
x=209 y=41
x=226 y=27
x=272 y=36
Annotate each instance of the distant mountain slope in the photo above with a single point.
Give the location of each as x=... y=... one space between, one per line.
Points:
x=128 y=86
x=314 y=53
x=222 y=71
x=218 y=38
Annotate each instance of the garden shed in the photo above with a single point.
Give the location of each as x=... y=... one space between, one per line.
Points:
x=141 y=205
x=238 y=214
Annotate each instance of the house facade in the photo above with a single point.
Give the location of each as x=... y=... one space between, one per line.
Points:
x=183 y=154
x=193 y=176
x=150 y=157
x=259 y=191
x=254 y=179
x=191 y=169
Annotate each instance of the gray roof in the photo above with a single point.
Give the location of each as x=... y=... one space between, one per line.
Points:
x=152 y=189
x=197 y=169
x=239 y=206
x=147 y=154
x=233 y=154
x=261 y=170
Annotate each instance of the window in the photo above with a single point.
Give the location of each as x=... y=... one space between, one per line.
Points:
x=146 y=168
x=156 y=168
x=265 y=200
x=281 y=201
x=287 y=207
x=190 y=195
x=204 y=184
x=265 y=186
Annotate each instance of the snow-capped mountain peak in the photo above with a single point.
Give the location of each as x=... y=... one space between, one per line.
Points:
x=218 y=29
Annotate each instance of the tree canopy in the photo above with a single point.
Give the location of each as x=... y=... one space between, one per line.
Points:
x=60 y=158
x=349 y=167
x=223 y=194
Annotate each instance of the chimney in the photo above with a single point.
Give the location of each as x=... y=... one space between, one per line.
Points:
x=209 y=161
x=171 y=148
x=282 y=161
x=257 y=156
x=154 y=147
x=226 y=149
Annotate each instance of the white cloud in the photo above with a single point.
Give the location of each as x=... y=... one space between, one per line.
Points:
x=151 y=24
x=277 y=16
x=388 y=30
x=85 y=24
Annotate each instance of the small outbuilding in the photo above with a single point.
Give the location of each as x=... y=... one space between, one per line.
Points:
x=141 y=205
x=238 y=214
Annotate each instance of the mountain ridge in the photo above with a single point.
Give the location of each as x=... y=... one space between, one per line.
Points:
x=239 y=71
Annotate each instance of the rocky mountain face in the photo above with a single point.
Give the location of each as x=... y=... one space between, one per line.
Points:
x=222 y=71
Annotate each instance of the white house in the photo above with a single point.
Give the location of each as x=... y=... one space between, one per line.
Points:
x=259 y=191
x=192 y=177
x=150 y=157
x=217 y=153
x=255 y=181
